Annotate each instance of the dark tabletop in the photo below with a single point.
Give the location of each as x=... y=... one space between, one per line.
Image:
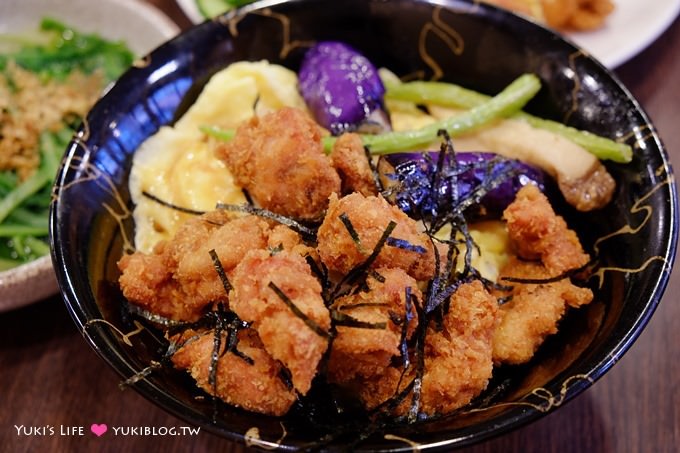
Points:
x=52 y=383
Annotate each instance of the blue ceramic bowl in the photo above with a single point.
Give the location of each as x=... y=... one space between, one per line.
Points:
x=465 y=42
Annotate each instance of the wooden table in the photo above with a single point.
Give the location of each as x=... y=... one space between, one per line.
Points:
x=50 y=377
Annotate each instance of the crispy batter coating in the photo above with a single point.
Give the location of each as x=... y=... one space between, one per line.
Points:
x=538 y=234
x=349 y=159
x=369 y=217
x=278 y=158
x=534 y=310
x=285 y=335
x=179 y=281
x=362 y=352
x=255 y=386
x=458 y=360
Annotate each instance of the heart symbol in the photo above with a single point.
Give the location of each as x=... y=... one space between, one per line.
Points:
x=99 y=429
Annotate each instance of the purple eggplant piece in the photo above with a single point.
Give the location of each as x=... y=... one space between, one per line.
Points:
x=342 y=89
x=474 y=184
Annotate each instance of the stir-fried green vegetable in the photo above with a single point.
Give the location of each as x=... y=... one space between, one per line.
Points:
x=66 y=50
x=55 y=53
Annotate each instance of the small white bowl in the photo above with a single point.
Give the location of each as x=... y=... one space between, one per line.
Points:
x=141 y=26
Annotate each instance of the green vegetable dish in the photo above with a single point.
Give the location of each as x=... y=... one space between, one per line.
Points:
x=48 y=82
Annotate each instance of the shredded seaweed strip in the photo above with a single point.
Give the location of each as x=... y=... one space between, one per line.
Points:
x=299 y=313
x=344 y=218
x=405 y=245
x=569 y=273
x=167 y=204
x=220 y=271
x=345 y=320
x=296 y=226
x=362 y=305
x=408 y=317
x=361 y=269
x=374 y=170
x=286 y=377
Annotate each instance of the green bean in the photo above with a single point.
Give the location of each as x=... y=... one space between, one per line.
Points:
x=507 y=102
x=451 y=95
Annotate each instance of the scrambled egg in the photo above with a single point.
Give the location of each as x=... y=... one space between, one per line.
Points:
x=177 y=164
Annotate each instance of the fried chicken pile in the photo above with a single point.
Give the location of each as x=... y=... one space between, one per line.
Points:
x=363 y=303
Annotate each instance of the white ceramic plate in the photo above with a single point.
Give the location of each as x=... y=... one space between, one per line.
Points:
x=141 y=26
x=631 y=27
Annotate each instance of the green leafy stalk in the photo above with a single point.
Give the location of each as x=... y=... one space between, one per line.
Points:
x=24 y=190
x=67 y=49
x=451 y=95
x=8 y=230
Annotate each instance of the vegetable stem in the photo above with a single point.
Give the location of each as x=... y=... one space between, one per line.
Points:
x=451 y=95
x=507 y=102
x=24 y=190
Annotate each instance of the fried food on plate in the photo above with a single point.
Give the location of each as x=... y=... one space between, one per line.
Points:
x=458 y=358
x=348 y=157
x=362 y=352
x=297 y=341
x=250 y=379
x=278 y=158
x=369 y=217
x=534 y=309
x=178 y=279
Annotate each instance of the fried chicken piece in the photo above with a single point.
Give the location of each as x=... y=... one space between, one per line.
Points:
x=285 y=334
x=538 y=234
x=458 y=358
x=150 y=282
x=256 y=386
x=534 y=310
x=178 y=280
x=364 y=352
x=369 y=217
x=278 y=158
x=348 y=156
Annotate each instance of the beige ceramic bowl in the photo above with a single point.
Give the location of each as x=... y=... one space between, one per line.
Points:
x=141 y=26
